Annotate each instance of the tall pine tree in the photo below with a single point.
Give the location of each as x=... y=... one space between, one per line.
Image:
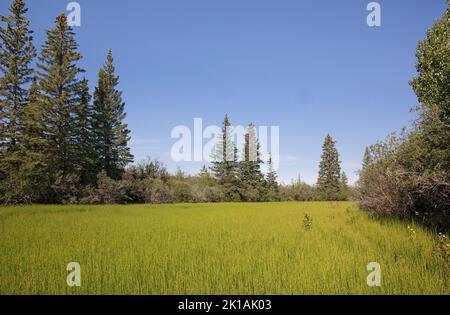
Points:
x=251 y=179
x=367 y=159
x=32 y=139
x=85 y=137
x=272 y=188
x=16 y=54
x=17 y=163
x=328 y=182
x=224 y=166
x=60 y=102
x=344 y=189
x=111 y=133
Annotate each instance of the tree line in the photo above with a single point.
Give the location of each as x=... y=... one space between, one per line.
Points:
x=243 y=180
x=60 y=144
x=228 y=179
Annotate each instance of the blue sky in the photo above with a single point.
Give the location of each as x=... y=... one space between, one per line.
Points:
x=310 y=67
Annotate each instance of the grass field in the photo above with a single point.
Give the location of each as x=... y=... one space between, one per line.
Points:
x=213 y=249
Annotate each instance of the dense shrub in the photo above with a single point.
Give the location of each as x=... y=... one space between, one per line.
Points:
x=22 y=183
x=297 y=191
x=66 y=189
x=157 y=191
x=395 y=183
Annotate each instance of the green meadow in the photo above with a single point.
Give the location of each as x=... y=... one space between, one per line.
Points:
x=227 y=248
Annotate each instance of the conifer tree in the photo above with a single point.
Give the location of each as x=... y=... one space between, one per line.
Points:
x=87 y=160
x=224 y=166
x=251 y=179
x=59 y=101
x=110 y=132
x=204 y=173
x=33 y=139
x=17 y=163
x=16 y=54
x=367 y=159
x=344 y=179
x=273 y=192
x=328 y=182
x=26 y=181
x=344 y=190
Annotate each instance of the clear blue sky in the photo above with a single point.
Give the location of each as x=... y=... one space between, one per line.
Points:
x=311 y=67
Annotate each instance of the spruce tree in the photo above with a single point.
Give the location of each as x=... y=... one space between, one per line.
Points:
x=87 y=160
x=19 y=164
x=59 y=102
x=344 y=190
x=204 y=173
x=224 y=166
x=367 y=159
x=344 y=179
x=16 y=54
x=110 y=132
x=32 y=125
x=273 y=191
x=251 y=179
x=328 y=182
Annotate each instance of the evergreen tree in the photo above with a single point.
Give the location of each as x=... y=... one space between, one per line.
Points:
x=111 y=133
x=344 y=179
x=32 y=142
x=87 y=160
x=59 y=102
x=16 y=54
x=22 y=169
x=19 y=164
x=328 y=182
x=32 y=138
x=344 y=189
x=224 y=166
x=273 y=193
x=367 y=159
x=251 y=179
